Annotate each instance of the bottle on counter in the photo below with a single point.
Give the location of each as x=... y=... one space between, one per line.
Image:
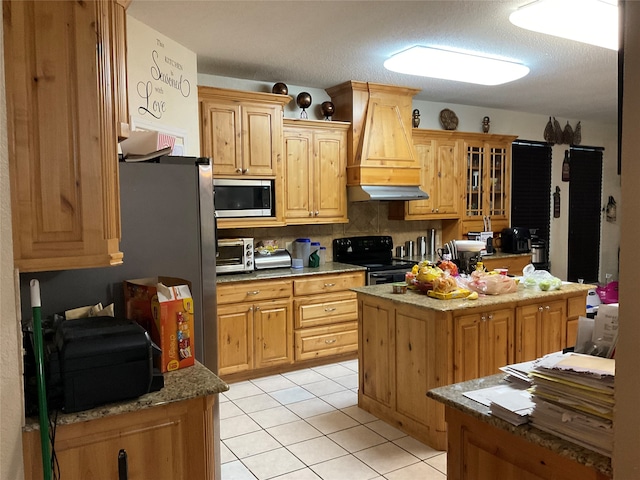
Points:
x=314 y=257
x=323 y=255
x=302 y=250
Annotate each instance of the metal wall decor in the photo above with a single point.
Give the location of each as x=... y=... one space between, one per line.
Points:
x=416 y=118
x=280 y=88
x=327 y=109
x=554 y=134
x=304 y=101
x=486 y=124
x=448 y=119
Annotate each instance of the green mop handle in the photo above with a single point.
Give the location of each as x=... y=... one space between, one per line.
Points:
x=40 y=375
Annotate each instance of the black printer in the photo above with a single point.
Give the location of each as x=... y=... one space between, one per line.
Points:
x=93 y=361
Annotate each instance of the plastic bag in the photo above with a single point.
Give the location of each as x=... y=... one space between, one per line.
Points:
x=532 y=278
x=491 y=283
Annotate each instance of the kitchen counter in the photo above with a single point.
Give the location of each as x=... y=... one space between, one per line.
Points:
x=179 y=385
x=411 y=343
x=550 y=445
x=419 y=299
x=275 y=273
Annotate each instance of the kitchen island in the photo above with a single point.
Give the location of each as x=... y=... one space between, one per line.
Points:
x=484 y=447
x=410 y=343
x=167 y=435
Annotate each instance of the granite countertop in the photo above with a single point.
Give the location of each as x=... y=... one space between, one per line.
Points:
x=419 y=299
x=283 y=273
x=452 y=396
x=179 y=385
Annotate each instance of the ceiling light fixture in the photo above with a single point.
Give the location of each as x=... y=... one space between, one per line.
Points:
x=455 y=65
x=588 y=21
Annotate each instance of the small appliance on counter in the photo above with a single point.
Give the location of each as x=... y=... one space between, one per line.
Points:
x=515 y=240
x=279 y=258
x=96 y=360
x=234 y=255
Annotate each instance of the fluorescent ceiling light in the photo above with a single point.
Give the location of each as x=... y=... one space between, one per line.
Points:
x=588 y=21
x=455 y=65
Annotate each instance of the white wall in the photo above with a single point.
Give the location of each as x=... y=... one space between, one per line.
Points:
x=528 y=127
x=11 y=412
x=162 y=83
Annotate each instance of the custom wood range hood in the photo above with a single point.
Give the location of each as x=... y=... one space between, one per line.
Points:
x=381 y=161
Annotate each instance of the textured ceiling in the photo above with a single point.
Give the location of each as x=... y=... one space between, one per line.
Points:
x=320 y=43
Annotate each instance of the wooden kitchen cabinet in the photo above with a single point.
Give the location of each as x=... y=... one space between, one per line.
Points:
x=241 y=131
x=483 y=342
x=576 y=307
x=169 y=442
x=439 y=154
x=325 y=315
x=513 y=263
x=487 y=163
x=66 y=109
x=255 y=326
x=541 y=328
x=315 y=184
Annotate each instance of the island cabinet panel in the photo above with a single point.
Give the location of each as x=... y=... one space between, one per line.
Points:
x=576 y=307
x=377 y=352
x=541 y=329
x=170 y=442
x=480 y=451
x=483 y=342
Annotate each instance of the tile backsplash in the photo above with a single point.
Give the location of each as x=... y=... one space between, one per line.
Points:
x=365 y=218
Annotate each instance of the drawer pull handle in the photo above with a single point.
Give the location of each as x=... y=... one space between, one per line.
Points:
x=329 y=284
x=330 y=309
x=255 y=292
x=329 y=342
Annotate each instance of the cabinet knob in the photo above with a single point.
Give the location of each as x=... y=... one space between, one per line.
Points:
x=539 y=309
x=483 y=318
x=329 y=285
x=238 y=170
x=491 y=316
x=123 y=467
x=329 y=342
x=547 y=307
x=330 y=309
x=245 y=170
x=255 y=292
x=316 y=213
x=257 y=308
x=311 y=214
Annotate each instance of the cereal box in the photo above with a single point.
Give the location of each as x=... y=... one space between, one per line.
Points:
x=164 y=307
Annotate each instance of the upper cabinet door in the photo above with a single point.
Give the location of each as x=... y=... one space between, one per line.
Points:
x=242 y=131
x=61 y=95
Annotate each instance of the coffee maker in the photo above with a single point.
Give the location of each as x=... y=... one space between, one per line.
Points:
x=515 y=240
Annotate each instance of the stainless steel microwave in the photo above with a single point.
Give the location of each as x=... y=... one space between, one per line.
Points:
x=239 y=198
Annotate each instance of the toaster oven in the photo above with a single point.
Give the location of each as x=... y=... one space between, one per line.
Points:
x=234 y=255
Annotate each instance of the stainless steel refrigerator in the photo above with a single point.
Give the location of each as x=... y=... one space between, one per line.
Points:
x=168 y=229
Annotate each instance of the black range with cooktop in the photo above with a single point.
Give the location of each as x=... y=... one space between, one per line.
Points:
x=373 y=252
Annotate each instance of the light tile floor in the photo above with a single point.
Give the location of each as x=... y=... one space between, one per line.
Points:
x=306 y=425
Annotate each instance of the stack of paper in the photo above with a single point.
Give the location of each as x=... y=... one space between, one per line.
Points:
x=511 y=402
x=519 y=372
x=573 y=397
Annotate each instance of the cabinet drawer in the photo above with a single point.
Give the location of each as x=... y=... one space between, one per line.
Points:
x=325 y=309
x=327 y=283
x=252 y=291
x=324 y=341
x=577 y=306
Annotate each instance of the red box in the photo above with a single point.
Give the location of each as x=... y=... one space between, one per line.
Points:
x=164 y=307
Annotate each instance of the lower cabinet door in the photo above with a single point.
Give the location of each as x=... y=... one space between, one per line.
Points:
x=169 y=442
x=235 y=338
x=273 y=333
